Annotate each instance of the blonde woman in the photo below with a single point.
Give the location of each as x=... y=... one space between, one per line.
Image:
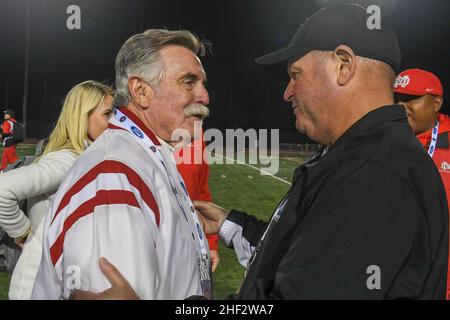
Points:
x=84 y=116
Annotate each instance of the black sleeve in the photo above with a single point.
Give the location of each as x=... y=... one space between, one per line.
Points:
x=364 y=226
x=242 y=232
x=252 y=228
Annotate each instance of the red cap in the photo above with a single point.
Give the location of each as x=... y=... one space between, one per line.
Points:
x=417 y=82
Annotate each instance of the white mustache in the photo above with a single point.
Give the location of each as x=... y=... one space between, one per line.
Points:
x=196 y=109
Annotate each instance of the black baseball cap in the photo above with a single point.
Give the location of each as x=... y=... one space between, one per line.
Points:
x=340 y=24
x=10 y=112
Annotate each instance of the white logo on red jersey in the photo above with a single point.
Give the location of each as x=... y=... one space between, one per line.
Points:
x=445 y=166
x=401 y=81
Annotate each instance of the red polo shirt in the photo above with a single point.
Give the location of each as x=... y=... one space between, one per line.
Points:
x=195 y=176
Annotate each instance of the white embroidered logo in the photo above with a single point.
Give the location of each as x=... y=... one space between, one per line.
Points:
x=445 y=166
x=401 y=81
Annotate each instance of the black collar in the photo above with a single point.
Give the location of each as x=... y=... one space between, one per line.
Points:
x=372 y=120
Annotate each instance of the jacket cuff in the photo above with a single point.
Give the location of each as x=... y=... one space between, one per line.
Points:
x=19 y=228
x=229 y=227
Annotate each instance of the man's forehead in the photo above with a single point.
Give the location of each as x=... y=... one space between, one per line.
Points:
x=199 y=67
x=190 y=70
x=294 y=64
x=182 y=59
x=300 y=62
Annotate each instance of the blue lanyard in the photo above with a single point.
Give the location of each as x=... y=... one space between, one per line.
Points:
x=434 y=136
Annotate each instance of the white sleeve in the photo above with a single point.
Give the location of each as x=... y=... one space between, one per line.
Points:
x=119 y=233
x=29 y=181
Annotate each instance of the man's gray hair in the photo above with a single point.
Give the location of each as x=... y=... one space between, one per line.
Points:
x=139 y=56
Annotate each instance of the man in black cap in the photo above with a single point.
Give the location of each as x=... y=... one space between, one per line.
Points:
x=9 y=154
x=365 y=218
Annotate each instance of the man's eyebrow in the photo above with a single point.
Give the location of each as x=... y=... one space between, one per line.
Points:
x=290 y=68
x=190 y=76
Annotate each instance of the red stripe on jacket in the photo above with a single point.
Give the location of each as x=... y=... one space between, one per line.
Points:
x=102 y=197
x=111 y=166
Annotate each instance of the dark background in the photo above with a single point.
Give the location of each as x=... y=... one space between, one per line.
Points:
x=242 y=94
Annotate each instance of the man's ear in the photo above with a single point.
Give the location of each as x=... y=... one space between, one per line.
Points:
x=437 y=103
x=141 y=93
x=346 y=60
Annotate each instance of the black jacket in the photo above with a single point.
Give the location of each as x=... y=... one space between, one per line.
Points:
x=374 y=200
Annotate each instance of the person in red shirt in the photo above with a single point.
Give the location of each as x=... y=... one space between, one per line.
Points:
x=9 y=144
x=195 y=173
x=421 y=93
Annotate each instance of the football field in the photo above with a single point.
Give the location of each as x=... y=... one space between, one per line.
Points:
x=242 y=187
x=238 y=186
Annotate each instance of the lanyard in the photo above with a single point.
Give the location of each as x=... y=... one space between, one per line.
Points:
x=124 y=122
x=434 y=136
x=280 y=210
x=276 y=216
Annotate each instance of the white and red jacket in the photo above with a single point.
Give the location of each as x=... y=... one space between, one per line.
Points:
x=117 y=202
x=7 y=131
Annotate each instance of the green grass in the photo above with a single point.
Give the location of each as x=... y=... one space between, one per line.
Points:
x=23 y=150
x=233 y=187
x=243 y=188
x=4 y=285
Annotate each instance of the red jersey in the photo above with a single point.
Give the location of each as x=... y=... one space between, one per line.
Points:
x=441 y=158
x=195 y=176
x=7 y=128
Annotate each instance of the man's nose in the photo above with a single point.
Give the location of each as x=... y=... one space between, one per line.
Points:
x=288 y=92
x=202 y=96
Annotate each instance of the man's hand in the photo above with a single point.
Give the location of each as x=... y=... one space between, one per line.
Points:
x=211 y=216
x=214 y=259
x=120 y=288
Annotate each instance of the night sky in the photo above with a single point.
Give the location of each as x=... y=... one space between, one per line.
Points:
x=243 y=95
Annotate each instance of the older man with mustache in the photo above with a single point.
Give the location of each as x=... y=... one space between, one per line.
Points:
x=124 y=198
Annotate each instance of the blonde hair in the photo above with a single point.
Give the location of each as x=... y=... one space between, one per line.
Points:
x=71 y=130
